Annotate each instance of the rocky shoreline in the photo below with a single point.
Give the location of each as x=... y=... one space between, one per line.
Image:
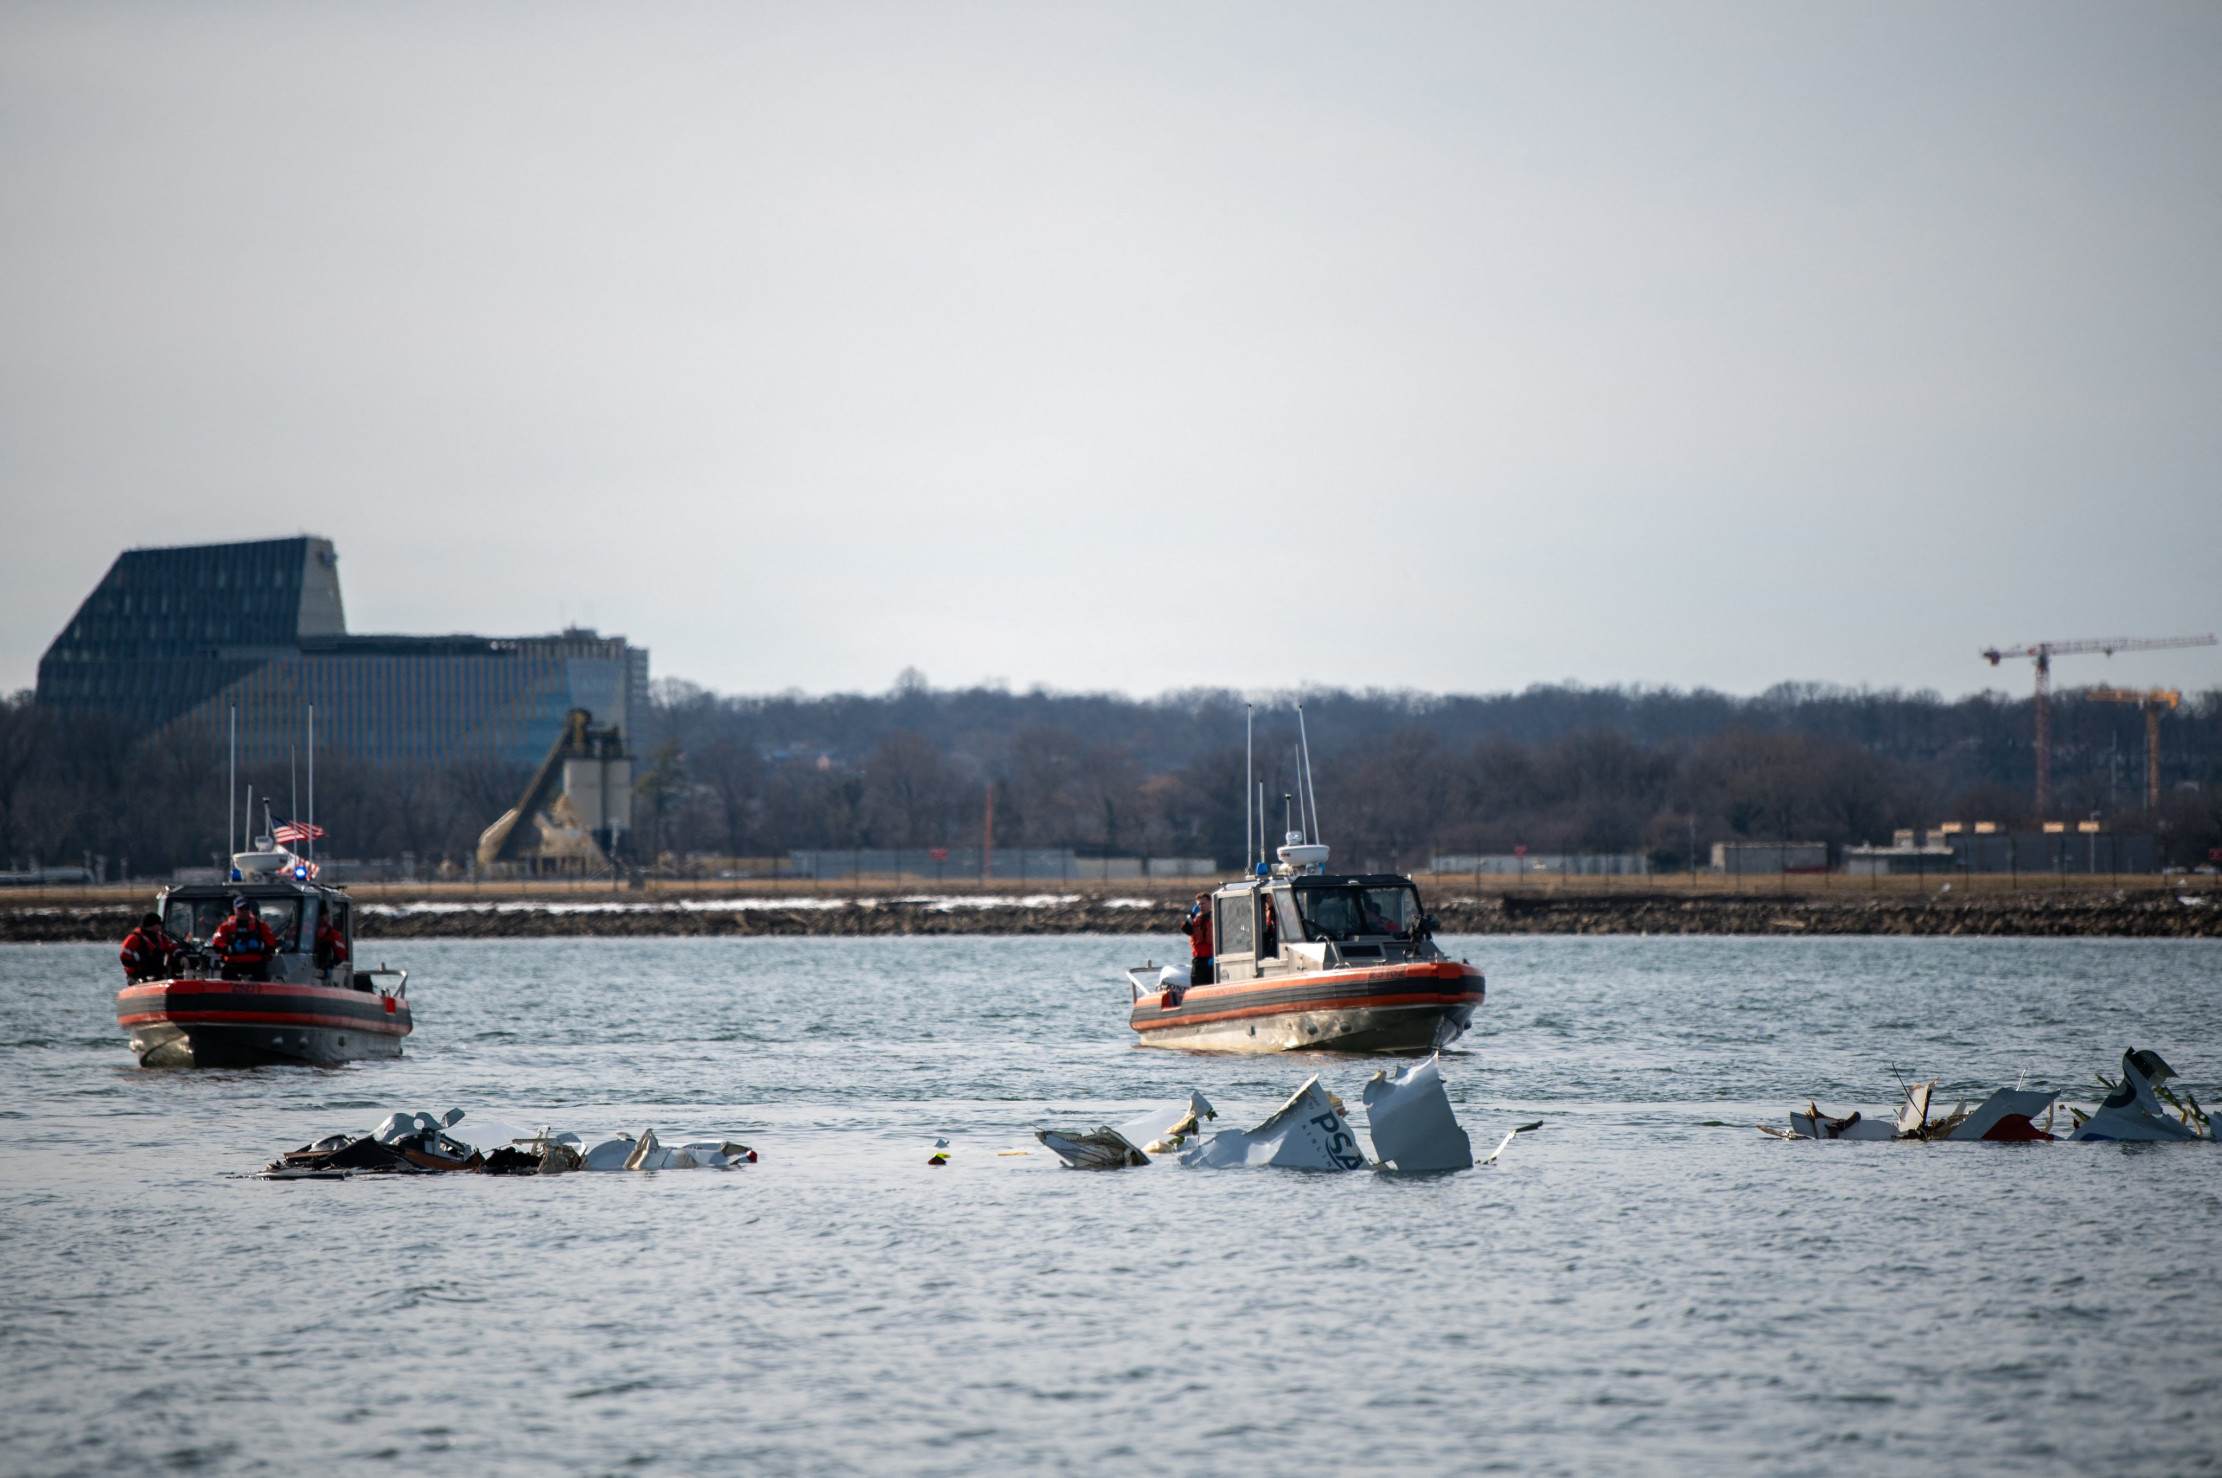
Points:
x=2031 y=915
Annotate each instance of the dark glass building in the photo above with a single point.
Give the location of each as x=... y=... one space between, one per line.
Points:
x=178 y=638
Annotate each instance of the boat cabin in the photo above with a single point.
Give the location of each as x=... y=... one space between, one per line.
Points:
x=1293 y=923
x=292 y=905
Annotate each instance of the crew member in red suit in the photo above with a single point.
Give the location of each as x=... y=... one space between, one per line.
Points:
x=331 y=945
x=147 y=951
x=243 y=943
x=1198 y=930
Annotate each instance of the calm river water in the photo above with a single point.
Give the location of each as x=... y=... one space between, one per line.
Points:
x=1645 y=1284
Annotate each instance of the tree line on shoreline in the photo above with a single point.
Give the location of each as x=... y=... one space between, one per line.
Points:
x=1400 y=776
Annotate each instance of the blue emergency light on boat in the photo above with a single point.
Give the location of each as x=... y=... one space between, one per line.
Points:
x=300 y=872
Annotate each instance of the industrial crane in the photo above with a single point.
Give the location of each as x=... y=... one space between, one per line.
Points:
x=2043 y=652
x=2152 y=700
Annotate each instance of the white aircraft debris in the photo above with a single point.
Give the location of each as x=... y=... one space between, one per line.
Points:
x=1161 y=1131
x=1306 y=1133
x=1502 y=1144
x=1410 y=1114
x=407 y=1143
x=1413 y=1127
x=2136 y=1109
x=2132 y=1112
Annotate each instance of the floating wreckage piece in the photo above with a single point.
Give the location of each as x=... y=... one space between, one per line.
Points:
x=2132 y=1112
x=1099 y=1149
x=1161 y=1131
x=1413 y=1127
x=396 y=1127
x=1306 y=1133
x=1414 y=1131
x=2135 y=1111
x=563 y=1152
x=940 y=1157
x=607 y=1154
x=1813 y=1124
x=547 y=1153
x=337 y=1156
x=2008 y=1116
x=418 y=1144
x=1505 y=1143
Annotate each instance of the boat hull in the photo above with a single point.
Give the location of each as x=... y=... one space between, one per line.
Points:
x=1400 y=1009
x=237 y=1023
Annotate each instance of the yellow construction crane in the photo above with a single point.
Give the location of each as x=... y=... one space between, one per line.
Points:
x=2152 y=700
x=2043 y=652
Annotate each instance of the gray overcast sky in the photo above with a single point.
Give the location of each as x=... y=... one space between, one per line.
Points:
x=1486 y=344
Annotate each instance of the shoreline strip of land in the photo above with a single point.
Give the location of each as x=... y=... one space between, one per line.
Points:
x=2143 y=913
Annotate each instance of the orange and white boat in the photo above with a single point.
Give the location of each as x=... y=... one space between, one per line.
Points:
x=1313 y=962
x=1308 y=960
x=306 y=1009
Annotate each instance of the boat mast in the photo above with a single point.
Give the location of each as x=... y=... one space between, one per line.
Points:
x=1249 y=823
x=1304 y=744
x=231 y=797
x=312 y=781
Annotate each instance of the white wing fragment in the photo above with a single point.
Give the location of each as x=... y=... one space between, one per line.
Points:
x=1517 y=1131
x=2132 y=1113
x=1413 y=1127
x=1305 y=1133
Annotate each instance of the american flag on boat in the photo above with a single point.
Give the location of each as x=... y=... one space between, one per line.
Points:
x=296 y=831
x=302 y=867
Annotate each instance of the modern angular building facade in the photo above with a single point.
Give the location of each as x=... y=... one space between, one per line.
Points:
x=175 y=639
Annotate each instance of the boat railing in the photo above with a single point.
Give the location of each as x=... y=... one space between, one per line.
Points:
x=378 y=977
x=1148 y=970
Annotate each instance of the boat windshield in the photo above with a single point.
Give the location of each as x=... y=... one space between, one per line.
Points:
x=1341 y=911
x=196 y=918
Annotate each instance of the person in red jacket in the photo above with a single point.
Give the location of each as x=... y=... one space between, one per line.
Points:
x=147 y=951
x=331 y=945
x=243 y=943
x=1198 y=930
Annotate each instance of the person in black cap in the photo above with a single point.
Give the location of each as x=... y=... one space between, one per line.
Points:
x=243 y=943
x=147 y=951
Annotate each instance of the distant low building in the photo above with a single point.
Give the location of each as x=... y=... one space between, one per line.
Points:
x=1557 y=864
x=2065 y=852
x=1770 y=857
x=1008 y=864
x=1900 y=858
x=176 y=639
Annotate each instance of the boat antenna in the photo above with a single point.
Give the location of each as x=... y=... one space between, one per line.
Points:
x=248 y=820
x=1262 y=852
x=312 y=781
x=1288 y=819
x=231 y=797
x=293 y=780
x=1249 y=826
x=1304 y=746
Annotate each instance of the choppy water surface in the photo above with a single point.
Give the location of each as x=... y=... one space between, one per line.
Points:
x=1646 y=1283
